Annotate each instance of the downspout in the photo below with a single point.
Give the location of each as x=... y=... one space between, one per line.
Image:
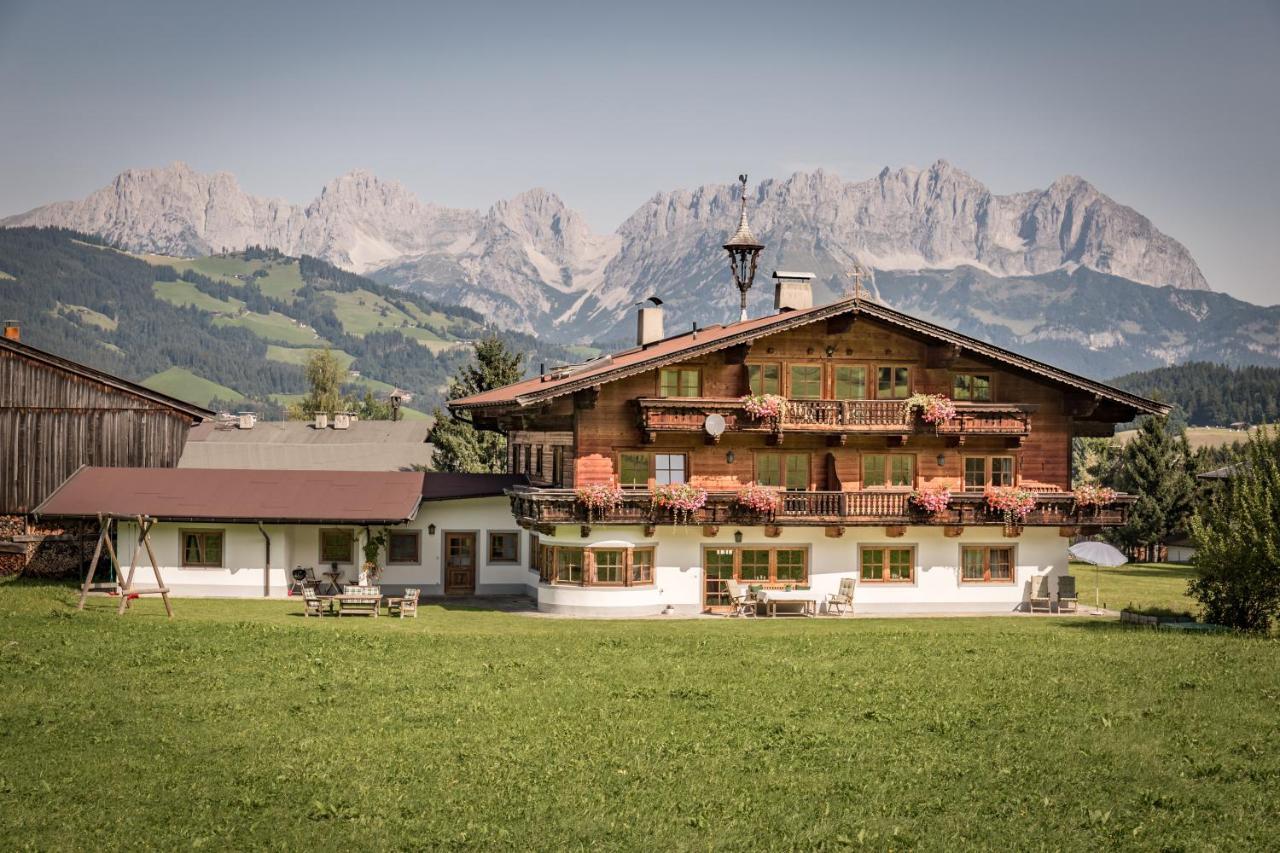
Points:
x=266 y=568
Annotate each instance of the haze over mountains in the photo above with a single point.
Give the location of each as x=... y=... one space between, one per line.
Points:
x=1027 y=270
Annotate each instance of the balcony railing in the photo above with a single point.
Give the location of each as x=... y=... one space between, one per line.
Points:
x=533 y=506
x=885 y=417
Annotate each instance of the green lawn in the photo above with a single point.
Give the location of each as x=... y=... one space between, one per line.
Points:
x=240 y=725
x=271 y=327
x=183 y=293
x=299 y=355
x=185 y=385
x=88 y=317
x=1140 y=584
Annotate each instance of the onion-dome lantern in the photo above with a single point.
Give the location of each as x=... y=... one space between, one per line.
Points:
x=744 y=252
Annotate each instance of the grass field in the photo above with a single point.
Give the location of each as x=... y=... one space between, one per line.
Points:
x=299 y=355
x=184 y=293
x=271 y=327
x=185 y=385
x=1139 y=584
x=1199 y=437
x=282 y=280
x=88 y=317
x=241 y=725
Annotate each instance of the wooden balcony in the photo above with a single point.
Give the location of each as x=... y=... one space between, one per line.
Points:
x=534 y=507
x=832 y=417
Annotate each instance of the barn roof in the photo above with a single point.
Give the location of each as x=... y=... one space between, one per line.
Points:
x=196 y=413
x=713 y=338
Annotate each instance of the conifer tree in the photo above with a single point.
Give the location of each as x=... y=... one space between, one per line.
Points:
x=1154 y=468
x=1237 y=537
x=458 y=445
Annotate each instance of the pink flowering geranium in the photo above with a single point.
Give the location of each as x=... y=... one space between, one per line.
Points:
x=931 y=499
x=934 y=408
x=1090 y=496
x=764 y=407
x=1012 y=503
x=599 y=498
x=758 y=499
x=681 y=498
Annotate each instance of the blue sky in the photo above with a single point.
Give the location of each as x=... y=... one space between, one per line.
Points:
x=1172 y=108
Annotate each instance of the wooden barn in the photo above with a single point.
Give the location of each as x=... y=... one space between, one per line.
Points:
x=56 y=416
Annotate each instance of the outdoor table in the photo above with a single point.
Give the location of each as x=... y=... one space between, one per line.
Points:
x=804 y=597
x=334 y=577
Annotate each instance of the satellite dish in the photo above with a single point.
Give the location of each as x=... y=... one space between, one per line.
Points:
x=714 y=424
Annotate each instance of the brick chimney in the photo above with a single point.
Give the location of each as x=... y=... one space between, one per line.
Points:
x=793 y=291
x=649 y=322
x=12 y=331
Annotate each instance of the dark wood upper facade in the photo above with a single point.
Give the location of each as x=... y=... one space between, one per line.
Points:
x=846 y=450
x=56 y=416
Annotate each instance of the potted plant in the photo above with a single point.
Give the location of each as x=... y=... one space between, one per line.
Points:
x=599 y=499
x=758 y=500
x=934 y=408
x=1090 y=497
x=1013 y=504
x=682 y=499
x=767 y=408
x=931 y=499
x=370 y=570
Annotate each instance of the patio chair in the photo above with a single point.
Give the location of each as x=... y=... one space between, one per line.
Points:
x=1039 y=600
x=742 y=601
x=842 y=600
x=314 y=605
x=301 y=577
x=1067 y=598
x=404 y=605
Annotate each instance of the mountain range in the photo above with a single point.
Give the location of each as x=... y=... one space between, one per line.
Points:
x=1030 y=270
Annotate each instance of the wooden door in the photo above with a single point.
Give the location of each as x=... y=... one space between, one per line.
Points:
x=459 y=563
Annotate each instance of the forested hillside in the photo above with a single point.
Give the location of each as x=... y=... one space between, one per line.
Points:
x=1211 y=394
x=231 y=327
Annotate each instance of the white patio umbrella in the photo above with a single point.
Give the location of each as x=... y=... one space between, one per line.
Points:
x=1099 y=554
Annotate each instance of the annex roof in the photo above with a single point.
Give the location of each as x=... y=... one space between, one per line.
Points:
x=440 y=486
x=298 y=445
x=196 y=413
x=239 y=495
x=713 y=338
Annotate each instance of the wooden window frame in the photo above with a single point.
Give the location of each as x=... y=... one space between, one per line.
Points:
x=763 y=364
x=911 y=376
x=183 y=533
x=782 y=455
x=631 y=563
x=834 y=367
x=986 y=579
x=697 y=390
x=550 y=565
x=987 y=469
x=653 y=465
x=537 y=459
x=884 y=572
x=648 y=468
x=792 y=365
x=351 y=552
x=535 y=553
x=557 y=465
x=594 y=560
x=417 y=547
x=772 y=579
x=488 y=548
x=888 y=485
x=991 y=385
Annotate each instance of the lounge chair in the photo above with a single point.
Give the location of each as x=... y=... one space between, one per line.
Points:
x=742 y=601
x=841 y=601
x=1039 y=600
x=1067 y=598
x=404 y=605
x=314 y=604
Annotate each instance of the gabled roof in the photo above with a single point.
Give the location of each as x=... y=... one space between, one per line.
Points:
x=196 y=413
x=298 y=445
x=713 y=338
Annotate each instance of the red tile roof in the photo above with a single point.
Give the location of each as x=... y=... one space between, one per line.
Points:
x=713 y=338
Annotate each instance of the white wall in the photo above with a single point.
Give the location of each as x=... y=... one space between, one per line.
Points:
x=679 y=577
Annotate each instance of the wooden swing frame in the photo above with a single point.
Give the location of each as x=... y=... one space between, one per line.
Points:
x=127 y=589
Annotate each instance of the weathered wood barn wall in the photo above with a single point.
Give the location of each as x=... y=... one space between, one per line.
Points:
x=57 y=415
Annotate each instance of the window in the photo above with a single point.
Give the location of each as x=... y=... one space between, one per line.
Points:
x=538 y=462
x=528 y=459
x=893 y=383
x=882 y=564
x=678 y=382
x=789 y=470
x=986 y=564
x=202 y=548
x=753 y=565
x=971 y=386
x=535 y=554
x=805 y=382
x=569 y=562
x=764 y=378
x=403 y=546
x=504 y=546
x=336 y=546
x=609 y=567
x=557 y=465
x=633 y=469
x=668 y=468
x=642 y=566
x=790 y=565
x=983 y=471
x=850 y=382
x=893 y=470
